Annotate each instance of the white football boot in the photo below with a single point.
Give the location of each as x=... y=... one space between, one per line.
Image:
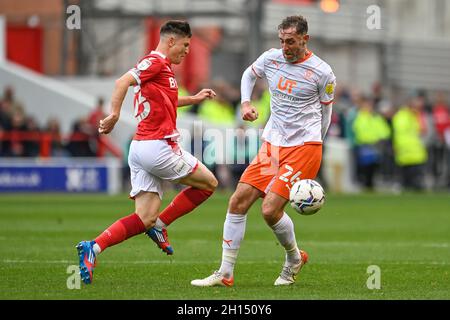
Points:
x=214 y=280
x=289 y=273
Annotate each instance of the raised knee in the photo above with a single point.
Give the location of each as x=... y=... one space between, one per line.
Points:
x=212 y=184
x=209 y=184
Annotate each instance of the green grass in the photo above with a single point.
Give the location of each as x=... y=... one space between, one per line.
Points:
x=407 y=236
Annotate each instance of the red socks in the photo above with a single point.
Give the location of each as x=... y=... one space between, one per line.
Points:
x=120 y=230
x=186 y=201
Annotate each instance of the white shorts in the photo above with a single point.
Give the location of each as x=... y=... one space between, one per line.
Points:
x=152 y=161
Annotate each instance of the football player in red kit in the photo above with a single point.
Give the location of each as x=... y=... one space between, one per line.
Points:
x=154 y=154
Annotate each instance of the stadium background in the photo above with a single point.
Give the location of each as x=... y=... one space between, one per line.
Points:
x=61 y=182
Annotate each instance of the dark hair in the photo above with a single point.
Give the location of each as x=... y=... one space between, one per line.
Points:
x=300 y=24
x=178 y=27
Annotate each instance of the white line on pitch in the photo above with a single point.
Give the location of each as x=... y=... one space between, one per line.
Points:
x=69 y=262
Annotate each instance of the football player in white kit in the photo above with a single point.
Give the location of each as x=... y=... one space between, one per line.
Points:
x=302 y=88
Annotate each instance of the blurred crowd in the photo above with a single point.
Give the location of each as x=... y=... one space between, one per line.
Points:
x=22 y=136
x=398 y=142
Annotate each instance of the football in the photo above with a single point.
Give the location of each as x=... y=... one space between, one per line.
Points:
x=307 y=196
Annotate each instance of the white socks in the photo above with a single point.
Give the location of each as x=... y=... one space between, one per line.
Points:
x=96 y=249
x=233 y=233
x=159 y=224
x=284 y=231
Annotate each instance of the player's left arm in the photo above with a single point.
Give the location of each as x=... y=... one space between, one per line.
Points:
x=327 y=110
x=327 y=86
x=196 y=99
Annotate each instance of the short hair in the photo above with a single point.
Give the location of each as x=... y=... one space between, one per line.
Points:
x=299 y=22
x=178 y=27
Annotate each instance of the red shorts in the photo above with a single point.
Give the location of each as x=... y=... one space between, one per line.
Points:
x=276 y=169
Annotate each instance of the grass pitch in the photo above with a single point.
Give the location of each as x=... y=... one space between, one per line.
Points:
x=407 y=237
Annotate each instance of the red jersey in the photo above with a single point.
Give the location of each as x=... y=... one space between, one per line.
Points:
x=155 y=98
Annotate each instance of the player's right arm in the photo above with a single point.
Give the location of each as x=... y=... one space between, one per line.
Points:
x=120 y=90
x=249 y=112
x=248 y=80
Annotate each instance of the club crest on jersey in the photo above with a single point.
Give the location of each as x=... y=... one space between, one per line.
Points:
x=308 y=74
x=145 y=64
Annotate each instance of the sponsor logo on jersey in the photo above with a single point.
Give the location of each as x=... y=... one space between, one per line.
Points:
x=286 y=84
x=329 y=89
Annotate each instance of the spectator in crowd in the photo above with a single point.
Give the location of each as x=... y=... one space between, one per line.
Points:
x=5 y=121
x=18 y=126
x=351 y=101
x=32 y=141
x=243 y=149
x=5 y=115
x=387 y=167
x=428 y=134
x=53 y=128
x=80 y=140
x=219 y=111
x=369 y=129
x=441 y=119
x=9 y=102
x=97 y=114
x=409 y=149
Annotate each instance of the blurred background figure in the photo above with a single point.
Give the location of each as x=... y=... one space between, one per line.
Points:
x=219 y=111
x=53 y=128
x=370 y=129
x=97 y=114
x=81 y=139
x=440 y=147
x=410 y=150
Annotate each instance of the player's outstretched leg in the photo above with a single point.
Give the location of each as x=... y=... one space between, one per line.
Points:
x=201 y=185
x=147 y=207
x=88 y=260
x=119 y=231
x=186 y=201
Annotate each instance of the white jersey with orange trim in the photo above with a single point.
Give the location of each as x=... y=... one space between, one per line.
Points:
x=298 y=91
